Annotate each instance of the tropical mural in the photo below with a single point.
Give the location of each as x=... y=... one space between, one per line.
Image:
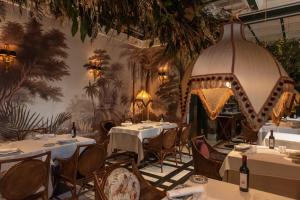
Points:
x=49 y=85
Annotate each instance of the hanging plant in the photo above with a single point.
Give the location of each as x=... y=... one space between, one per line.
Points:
x=287 y=53
x=177 y=24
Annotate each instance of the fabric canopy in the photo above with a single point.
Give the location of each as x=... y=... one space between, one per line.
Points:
x=235 y=66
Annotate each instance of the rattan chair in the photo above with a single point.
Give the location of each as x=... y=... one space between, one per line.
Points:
x=183 y=139
x=105 y=127
x=208 y=165
x=147 y=191
x=26 y=180
x=162 y=145
x=79 y=168
x=248 y=135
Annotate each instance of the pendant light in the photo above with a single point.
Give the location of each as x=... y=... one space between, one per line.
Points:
x=235 y=66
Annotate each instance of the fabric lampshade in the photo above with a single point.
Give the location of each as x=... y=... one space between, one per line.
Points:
x=235 y=66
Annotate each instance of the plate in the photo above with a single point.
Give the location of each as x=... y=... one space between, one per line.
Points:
x=9 y=151
x=188 y=197
x=67 y=141
x=200 y=179
x=49 y=145
x=242 y=146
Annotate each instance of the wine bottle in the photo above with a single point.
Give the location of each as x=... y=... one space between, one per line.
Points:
x=73 y=130
x=271 y=141
x=244 y=175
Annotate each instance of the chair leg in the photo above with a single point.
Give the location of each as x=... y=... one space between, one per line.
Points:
x=74 y=193
x=189 y=149
x=176 y=157
x=161 y=159
x=180 y=153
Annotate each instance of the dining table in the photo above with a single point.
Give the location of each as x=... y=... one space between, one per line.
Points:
x=288 y=140
x=220 y=190
x=61 y=146
x=129 y=137
x=270 y=170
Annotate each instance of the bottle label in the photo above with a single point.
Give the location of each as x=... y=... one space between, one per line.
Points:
x=243 y=181
x=271 y=142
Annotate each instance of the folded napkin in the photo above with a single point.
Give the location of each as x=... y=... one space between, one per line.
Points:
x=8 y=150
x=185 y=191
x=126 y=124
x=145 y=127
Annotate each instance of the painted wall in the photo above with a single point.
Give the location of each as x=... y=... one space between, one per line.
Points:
x=114 y=89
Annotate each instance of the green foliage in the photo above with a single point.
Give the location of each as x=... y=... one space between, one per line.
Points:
x=17 y=121
x=287 y=53
x=40 y=61
x=178 y=24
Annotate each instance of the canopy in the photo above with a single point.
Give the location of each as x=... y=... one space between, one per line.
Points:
x=235 y=66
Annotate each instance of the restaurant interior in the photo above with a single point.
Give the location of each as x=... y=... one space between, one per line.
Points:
x=149 y=99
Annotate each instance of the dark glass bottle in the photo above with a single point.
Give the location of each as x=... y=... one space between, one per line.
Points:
x=244 y=175
x=73 y=130
x=271 y=141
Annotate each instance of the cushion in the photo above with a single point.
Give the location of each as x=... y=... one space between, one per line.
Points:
x=202 y=148
x=121 y=184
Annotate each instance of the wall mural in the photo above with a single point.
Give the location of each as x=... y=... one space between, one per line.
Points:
x=31 y=75
x=39 y=74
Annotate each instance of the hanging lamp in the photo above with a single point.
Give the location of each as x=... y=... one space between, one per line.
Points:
x=235 y=66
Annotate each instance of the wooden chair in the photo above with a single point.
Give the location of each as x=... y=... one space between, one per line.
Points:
x=26 y=180
x=147 y=191
x=162 y=145
x=225 y=124
x=183 y=138
x=105 y=127
x=248 y=135
x=79 y=168
x=207 y=160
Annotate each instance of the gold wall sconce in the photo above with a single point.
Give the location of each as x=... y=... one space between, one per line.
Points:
x=163 y=73
x=7 y=56
x=94 y=68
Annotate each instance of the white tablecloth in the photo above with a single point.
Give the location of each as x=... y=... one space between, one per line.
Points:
x=282 y=129
x=219 y=190
x=143 y=130
x=32 y=147
x=130 y=138
x=291 y=141
x=266 y=164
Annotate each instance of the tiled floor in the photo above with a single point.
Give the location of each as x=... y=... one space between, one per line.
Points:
x=172 y=175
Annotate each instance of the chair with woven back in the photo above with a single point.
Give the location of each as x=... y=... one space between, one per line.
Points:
x=162 y=145
x=79 y=168
x=105 y=127
x=248 y=135
x=207 y=160
x=183 y=138
x=146 y=190
x=28 y=179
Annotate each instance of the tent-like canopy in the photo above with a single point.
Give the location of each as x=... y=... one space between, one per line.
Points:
x=235 y=66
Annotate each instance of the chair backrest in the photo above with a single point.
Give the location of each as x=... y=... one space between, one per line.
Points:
x=185 y=133
x=107 y=125
x=248 y=134
x=92 y=158
x=26 y=177
x=169 y=138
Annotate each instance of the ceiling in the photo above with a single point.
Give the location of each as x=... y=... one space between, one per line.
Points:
x=266 y=20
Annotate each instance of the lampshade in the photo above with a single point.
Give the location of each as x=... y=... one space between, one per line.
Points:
x=143 y=97
x=235 y=66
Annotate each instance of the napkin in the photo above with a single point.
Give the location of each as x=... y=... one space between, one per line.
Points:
x=8 y=150
x=185 y=191
x=126 y=124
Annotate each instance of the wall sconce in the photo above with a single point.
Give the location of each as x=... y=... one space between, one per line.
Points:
x=7 y=56
x=163 y=73
x=142 y=100
x=94 y=68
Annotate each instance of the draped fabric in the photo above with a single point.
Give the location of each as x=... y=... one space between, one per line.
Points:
x=241 y=68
